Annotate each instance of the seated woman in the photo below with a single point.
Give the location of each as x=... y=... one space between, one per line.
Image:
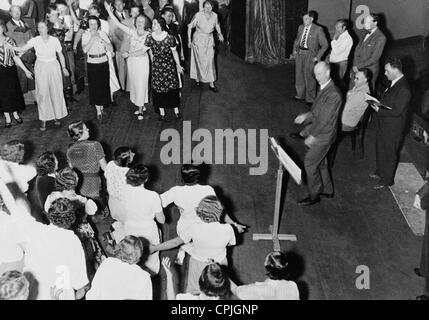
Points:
x=207 y=240
x=42 y=185
x=214 y=284
x=356 y=104
x=141 y=207
x=66 y=183
x=276 y=286
x=120 y=278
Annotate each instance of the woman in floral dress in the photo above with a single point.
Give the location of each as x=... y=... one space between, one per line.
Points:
x=165 y=66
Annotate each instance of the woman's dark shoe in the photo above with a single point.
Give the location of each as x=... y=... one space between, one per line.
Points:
x=197 y=83
x=18 y=120
x=178 y=115
x=214 y=89
x=418 y=272
x=8 y=124
x=57 y=123
x=161 y=118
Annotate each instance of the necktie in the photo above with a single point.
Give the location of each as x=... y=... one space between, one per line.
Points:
x=304 y=38
x=122 y=15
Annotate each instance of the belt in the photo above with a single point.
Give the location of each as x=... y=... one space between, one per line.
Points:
x=302 y=48
x=93 y=56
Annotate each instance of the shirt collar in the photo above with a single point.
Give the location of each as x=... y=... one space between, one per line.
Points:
x=323 y=86
x=396 y=80
x=17 y=22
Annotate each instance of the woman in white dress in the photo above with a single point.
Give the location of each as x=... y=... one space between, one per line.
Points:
x=115 y=180
x=141 y=208
x=137 y=60
x=47 y=72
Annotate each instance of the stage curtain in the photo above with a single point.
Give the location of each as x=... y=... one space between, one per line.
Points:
x=266 y=31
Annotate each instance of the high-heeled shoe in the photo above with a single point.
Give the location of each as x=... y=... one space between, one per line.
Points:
x=178 y=116
x=197 y=83
x=18 y=120
x=8 y=124
x=161 y=118
x=214 y=89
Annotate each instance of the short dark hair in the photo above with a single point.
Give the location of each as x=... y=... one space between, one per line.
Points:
x=130 y=250
x=375 y=17
x=62 y=213
x=146 y=23
x=209 y=2
x=276 y=266
x=50 y=8
x=344 y=22
x=122 y=156
x=209 y=209
x=13 y=285
x=166 y=9
x=96 y=19
x=162 y=23
x=3 y=25
x=214 y=281
x=67 y=179
x=190 y=173
x=75 y=129
x=45 y=164
x=13 y=151
x=94 y=6
x=367 y=73
x=394 y=62
x=312 y=14
x=137 y=175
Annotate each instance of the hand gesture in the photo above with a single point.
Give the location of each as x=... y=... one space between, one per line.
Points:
x=221 y=39
x=301 y=118
x=180 y=69
x=125 y=54
x=66 y=72
x=108 y=6
x=28 y=74
x=355 y=69
x=69 y=2
x=62 y=294
x=166 y=265
x=309 y=141
x=241 y=228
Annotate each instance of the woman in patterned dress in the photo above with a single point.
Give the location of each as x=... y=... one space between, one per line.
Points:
x=11 y=98
x=87 y=157
x=165 y=66
x=203 y=67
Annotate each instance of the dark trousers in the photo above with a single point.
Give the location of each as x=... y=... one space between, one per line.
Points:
x=424 y=260
x=388 y=146
x=317 y=170
x=305 y=82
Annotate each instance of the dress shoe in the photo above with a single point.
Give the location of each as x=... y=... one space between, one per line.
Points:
x=178 y=116
x=327 y=195
x=214 y=89
x=18 y=120
x=197 y=83
x=8 y=124
x=57 y=123
x=422 y=297
x=379 y=187
x=418 y=272
x=296 y=135
x=161 y=118
x=296 y=98
x=99 y=117
x=140 y=116
x=374 y=176
x=308 y=201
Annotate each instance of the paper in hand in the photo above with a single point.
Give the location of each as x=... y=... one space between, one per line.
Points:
x=375 y=103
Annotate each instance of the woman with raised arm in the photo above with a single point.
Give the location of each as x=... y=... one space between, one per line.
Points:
x=165 y=69
x=96 y=44
x=47 y=72
x=202 y=45
x=137 y=60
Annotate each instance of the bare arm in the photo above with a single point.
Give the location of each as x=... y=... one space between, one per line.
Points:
x=167 y=245
x=218 y=29
x=103 y=164
x=160 y=217
x=177 y=60
x=171 y=295
x=115 y=20
x=72 y=13
x=19 y=63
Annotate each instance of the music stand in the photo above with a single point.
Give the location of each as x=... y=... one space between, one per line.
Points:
x=285 y=163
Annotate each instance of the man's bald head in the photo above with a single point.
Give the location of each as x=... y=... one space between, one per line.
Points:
x=15 y=12
x=322 y=72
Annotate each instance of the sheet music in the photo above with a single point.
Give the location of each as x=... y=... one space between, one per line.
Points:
x=287 y=162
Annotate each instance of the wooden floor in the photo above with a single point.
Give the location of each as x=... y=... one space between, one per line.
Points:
x=357 y=227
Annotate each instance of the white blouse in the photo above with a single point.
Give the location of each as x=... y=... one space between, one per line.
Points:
x=46 y=50
x=115 y=179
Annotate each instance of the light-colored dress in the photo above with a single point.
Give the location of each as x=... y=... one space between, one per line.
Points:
x=203 y=67
x=115 y=182
x=138 y=71
x=49 y=80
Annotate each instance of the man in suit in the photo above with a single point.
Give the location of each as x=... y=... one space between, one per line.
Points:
x=320 y=132
x=21 y=32
x=309 y=47
x=421 y=201
x=118 y=37
x=370 y=48
x=390 y=124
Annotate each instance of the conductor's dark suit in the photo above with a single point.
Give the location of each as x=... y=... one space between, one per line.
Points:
x=390 y=130
x=368 y=53
x=424 y=260
x=322 y=124
x=317 y=44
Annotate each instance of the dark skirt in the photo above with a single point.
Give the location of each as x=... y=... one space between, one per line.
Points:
x=98 y=83
x=166 y=100
x=11 y=98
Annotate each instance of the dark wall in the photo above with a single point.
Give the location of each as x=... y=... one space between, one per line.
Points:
x=295 y=10
x=238 y=28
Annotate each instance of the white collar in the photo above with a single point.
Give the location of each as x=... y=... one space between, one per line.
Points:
x=18 y=22
x=396 y=80
x=370 y=34
x=323 y=86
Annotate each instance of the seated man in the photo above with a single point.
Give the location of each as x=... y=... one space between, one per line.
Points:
x=356 y=100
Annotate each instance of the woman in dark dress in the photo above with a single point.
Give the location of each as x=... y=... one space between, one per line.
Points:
x=11 y=98
x=87 y=157
x=165 y=68
x=42 y=185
